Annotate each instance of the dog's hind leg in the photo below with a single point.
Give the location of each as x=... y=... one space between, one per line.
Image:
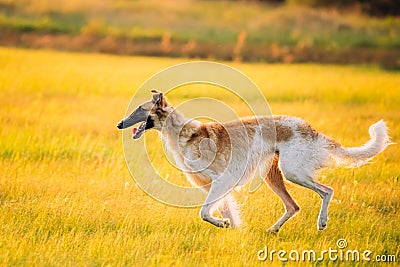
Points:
x=274 y=180
x=326 y=194
x=306 y=180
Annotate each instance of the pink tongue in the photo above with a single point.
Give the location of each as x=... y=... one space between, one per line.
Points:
x=134 y=130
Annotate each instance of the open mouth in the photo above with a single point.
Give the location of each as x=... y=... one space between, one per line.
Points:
x=137 y=132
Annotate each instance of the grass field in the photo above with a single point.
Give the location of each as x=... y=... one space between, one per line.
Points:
x=67 y=198
x=226 y=30
x=203 y=21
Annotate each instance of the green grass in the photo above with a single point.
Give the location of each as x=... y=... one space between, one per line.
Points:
x=67 y=198
x=217 y=22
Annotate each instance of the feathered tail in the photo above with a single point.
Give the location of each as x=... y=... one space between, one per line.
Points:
x=357 y=156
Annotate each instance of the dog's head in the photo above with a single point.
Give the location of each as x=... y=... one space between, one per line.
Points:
x=152 y=114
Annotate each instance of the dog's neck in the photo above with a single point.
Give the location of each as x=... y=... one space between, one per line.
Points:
x=178 y=130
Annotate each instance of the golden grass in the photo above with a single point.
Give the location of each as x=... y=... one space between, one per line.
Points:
x=67 y=198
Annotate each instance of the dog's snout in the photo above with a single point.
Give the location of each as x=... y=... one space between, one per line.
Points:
x=120 y=125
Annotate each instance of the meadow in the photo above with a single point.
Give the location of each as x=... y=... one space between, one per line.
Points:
x=203 y=21
x=242 y=30
x=67 y=197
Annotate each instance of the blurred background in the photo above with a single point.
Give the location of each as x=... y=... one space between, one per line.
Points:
x=344 y=31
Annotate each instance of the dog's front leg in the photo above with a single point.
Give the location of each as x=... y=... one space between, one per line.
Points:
x=217 y=192
x=205 y=214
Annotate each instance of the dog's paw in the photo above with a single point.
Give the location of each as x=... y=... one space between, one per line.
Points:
x=225 y=223
x=273 y=230
x=321 y=226
x=322 y=222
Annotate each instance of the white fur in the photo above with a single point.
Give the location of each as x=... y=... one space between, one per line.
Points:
x=357 y=156
x=299 y=158
x=202 y=153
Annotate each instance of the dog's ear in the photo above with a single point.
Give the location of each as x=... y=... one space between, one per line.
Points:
x=158 y=98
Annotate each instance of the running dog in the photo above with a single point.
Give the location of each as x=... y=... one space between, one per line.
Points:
x=218 y=157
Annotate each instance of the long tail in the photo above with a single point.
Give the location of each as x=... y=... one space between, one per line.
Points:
x=357 y=156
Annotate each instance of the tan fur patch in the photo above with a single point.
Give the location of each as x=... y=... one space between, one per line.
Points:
x=333 y=143
x=283 y=133
x=193 y=135
x=306 y=131
x=218 y=133
x=274 y=177
x=275 y=181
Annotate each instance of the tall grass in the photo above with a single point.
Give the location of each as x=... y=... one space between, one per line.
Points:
x=67 y=198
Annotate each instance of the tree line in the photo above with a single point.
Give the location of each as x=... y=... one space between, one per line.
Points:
x=371 y=7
